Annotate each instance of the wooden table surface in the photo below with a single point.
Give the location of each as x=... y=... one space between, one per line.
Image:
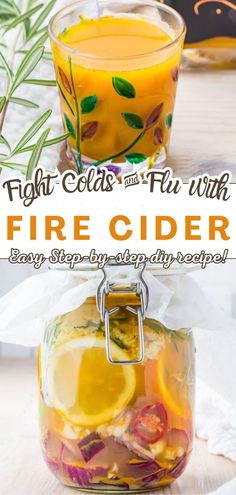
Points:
x=22 y=470
x=204 y=128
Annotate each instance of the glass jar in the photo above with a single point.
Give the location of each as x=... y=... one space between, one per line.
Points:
x=211 y=33
x=116 y=394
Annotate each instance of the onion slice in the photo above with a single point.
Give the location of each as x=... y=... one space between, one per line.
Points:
x=90 y=446
x=82 y=476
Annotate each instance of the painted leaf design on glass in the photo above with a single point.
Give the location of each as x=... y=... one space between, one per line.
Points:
x=157 y=135
x=88 y=130
x=175 y=73
x=135 y=157
x=133 y=120
x=169 y=119
x=88 y=104
x=65 y=98
x=65 y=81
x=154 y=115
x=123 y=87
x=64 y=31
x=69 y=126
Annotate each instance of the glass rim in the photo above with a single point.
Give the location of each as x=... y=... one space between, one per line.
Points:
x=157 y=4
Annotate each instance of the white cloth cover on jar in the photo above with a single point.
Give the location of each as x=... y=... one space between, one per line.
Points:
x=174 y=300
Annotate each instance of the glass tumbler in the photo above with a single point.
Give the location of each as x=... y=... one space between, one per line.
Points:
x=117 y=66
x=116 y=394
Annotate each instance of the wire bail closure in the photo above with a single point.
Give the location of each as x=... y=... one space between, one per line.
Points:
x=139 y=288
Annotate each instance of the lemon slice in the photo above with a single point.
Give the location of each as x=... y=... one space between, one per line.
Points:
x=84 y=387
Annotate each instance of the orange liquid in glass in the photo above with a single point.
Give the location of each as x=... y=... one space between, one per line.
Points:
x=105 y=50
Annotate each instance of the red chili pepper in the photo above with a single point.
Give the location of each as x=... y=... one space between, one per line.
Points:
x=150 y=423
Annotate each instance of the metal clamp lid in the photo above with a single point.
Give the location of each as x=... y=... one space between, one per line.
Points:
x=139 y=288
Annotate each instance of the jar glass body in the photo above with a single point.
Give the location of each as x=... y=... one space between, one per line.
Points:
x=107 y=427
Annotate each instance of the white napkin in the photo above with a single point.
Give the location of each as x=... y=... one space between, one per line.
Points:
x=226 y=489
x=216 y=422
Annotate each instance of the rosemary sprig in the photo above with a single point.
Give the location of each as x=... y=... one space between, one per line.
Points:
x=48 y=142
x=36 y=153
x=159 y=328
x=18 y=19
x=40 y=82
x=99 y=327
x=40 y=19
x=23 y=102
x=25 y=21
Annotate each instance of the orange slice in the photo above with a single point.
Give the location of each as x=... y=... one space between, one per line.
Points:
x=174 y=375
x=84 y=387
